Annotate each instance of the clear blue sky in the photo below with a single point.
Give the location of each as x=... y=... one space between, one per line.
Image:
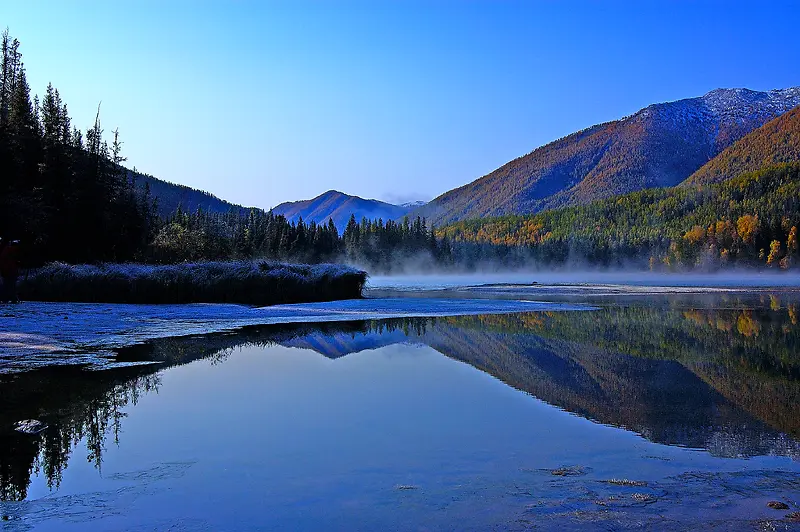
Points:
x=262 y=102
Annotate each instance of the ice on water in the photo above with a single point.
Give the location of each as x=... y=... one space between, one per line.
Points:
x=36 y=335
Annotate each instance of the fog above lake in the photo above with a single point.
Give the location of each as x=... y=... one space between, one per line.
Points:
x=728 y=279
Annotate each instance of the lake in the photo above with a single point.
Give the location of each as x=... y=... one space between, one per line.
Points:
x=670 y=411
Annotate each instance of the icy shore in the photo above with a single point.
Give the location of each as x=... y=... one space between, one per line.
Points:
x=34 y=335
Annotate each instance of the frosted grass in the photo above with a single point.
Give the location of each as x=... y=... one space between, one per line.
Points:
x=246 y=282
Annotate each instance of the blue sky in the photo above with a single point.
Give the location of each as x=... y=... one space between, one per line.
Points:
x=262 y=102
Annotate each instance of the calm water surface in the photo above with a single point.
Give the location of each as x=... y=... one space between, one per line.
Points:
x=657 y=415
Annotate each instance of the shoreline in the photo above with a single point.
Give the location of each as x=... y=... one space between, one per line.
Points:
x=37 y=335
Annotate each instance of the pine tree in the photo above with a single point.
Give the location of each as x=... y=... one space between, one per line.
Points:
x=10 y=64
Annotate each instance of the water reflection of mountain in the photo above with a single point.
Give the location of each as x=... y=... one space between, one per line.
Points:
x=663 y=400
x=80 y=405
x=724 y=380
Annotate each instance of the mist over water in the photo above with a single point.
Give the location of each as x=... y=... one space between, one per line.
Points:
x=723 y=280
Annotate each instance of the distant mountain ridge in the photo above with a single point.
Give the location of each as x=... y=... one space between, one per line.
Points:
x=694 y=141
x=339 y=206
x=330 y=205
x=658 y=146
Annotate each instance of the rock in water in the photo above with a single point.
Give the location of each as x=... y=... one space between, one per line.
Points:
x=29 y=426
x=778 y=505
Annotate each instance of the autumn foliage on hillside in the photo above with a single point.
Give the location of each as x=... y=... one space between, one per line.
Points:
x=659 y=146
x=751 y=219
x=776 y=142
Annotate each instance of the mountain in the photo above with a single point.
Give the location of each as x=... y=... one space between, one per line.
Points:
x=331 y=204
x=339 y=206
x=170 y=196
x=659 y=146
x=749 y=220
x=777 y=141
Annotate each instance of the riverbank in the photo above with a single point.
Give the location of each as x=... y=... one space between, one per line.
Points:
x=37 y=335
x=244 y=282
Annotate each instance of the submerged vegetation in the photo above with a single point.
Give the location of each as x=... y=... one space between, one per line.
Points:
x=248 y=282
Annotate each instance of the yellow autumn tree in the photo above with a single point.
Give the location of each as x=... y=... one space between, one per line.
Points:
x=791 y=249
x=747 y=326
x=774 y=252
x=724 y=232
x=747 y=227
x=695 y=234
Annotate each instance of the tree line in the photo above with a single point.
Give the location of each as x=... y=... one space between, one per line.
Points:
x=67 y=195
x=64 y=191
x=749 y=220
x=202 y=235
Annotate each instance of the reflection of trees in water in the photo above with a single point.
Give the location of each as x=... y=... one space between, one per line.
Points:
x=686 y=376
x=626 y=357
x=674 y=375
x=762 y=341
x=76 y=406
x=89 y=406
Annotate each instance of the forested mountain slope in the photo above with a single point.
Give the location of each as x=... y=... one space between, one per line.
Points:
x=659 y=146
x=339 y=206
x=750 y=219
x=170 y=196
x=777 y=141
